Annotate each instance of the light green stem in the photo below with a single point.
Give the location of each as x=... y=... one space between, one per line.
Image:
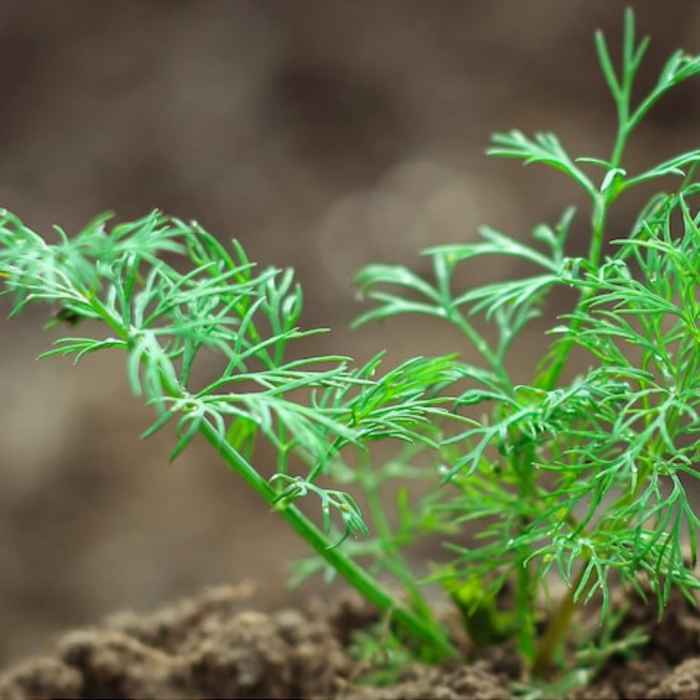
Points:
x=556 y=630
x=404 y=618
x=368 y=481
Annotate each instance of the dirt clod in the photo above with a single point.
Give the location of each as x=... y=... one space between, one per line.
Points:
x=217 y=646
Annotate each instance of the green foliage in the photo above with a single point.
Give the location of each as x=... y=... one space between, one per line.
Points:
x=166 y=318
x=585 y=478
x=588 y=477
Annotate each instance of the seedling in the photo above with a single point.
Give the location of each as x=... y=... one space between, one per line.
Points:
x=585 y=477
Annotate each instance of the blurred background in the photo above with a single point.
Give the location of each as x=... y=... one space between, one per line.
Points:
x=323 y=134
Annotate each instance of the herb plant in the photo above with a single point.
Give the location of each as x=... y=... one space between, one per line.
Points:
x=584 y=477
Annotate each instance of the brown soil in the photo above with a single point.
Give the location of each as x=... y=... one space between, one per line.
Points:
x=215 y=645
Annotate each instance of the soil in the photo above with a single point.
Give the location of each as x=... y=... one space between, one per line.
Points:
x=216 y=645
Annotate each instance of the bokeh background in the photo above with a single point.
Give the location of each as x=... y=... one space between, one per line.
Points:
x=324 y=134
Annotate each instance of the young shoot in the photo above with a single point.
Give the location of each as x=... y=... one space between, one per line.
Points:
x=587 y=479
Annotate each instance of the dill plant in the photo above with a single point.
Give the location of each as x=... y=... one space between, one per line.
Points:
x=586 y=478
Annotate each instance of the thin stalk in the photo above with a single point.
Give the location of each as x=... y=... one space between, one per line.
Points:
x=377 y=511
x=557 y=628
x=525 y=606
x=601 y=205
x=403 y=617
x=525 y=598
x=482 y=347
x=550 y=376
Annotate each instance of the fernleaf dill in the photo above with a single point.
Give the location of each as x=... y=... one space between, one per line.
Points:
x=581 y=472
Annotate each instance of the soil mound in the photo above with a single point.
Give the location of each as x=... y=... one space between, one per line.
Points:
x=215 y=646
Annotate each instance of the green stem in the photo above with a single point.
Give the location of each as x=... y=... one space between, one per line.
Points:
x=368 y=482
x=557 y=628
x=525 y=597
x=482 y=347
x=549 y=378
x=402 y=616
x=601 y=205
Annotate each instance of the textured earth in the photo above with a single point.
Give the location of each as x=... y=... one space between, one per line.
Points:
x=218 y=645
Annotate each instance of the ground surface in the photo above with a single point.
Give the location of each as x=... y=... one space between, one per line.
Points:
x=218 y=646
